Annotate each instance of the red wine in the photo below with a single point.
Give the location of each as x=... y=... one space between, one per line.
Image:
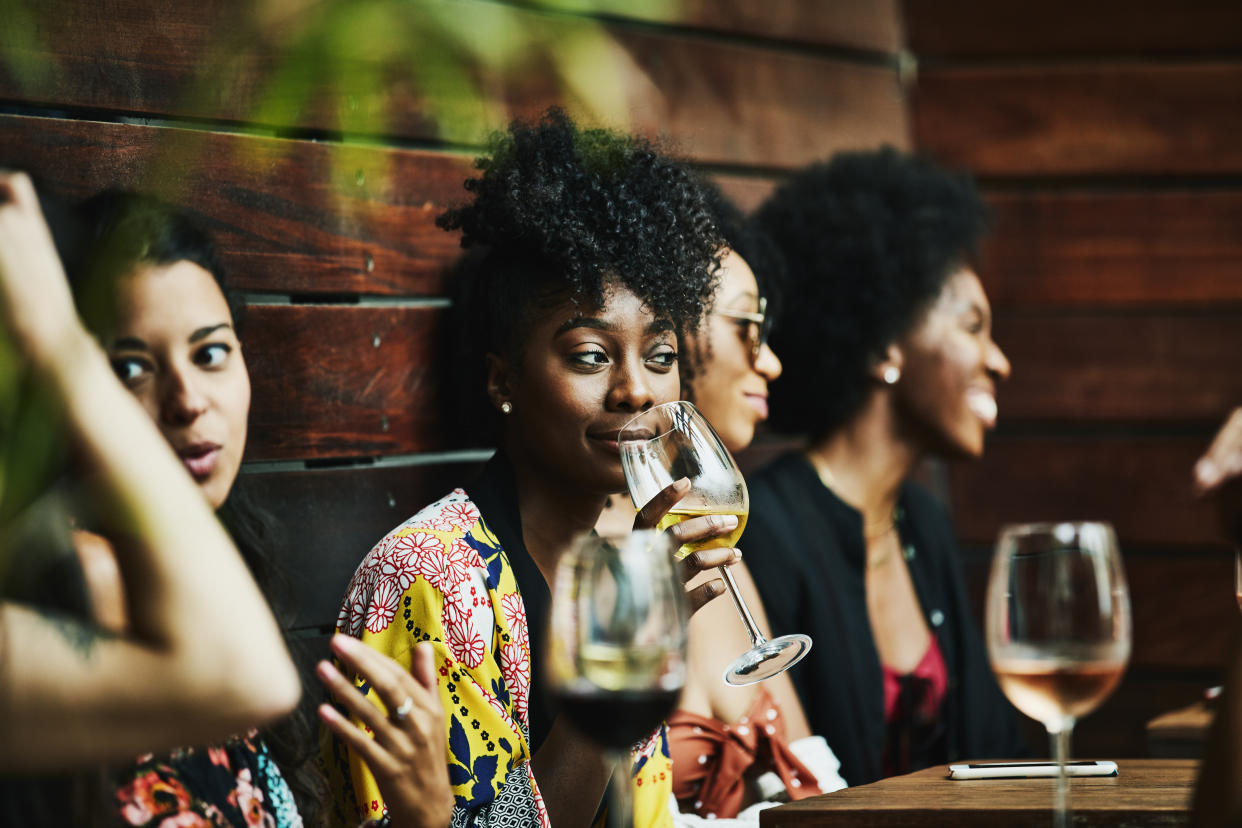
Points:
x=616 y=720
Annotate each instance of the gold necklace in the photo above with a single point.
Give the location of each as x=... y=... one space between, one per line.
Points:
x=870 y=533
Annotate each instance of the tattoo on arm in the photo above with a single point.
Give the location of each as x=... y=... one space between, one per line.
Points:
x=78 y=634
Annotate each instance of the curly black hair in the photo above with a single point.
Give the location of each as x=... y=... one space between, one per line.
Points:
x=748 y=240
x=869 y=239
x=558 y=212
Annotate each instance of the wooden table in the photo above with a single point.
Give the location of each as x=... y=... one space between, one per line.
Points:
x=1146 y=792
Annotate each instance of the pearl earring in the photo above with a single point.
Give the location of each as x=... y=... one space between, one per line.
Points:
x=891 y=374
x=506 y=406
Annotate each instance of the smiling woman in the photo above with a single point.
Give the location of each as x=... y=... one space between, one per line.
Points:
x=888 y=353
x=590 y=253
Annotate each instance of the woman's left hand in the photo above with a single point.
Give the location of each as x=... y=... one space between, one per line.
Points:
x=405 y=750
x=699 y=528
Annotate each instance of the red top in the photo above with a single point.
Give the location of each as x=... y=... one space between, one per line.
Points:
x=713 y=760
x=912 y=704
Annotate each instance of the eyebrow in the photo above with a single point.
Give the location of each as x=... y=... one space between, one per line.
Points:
x=656 y=326
x=133 y=343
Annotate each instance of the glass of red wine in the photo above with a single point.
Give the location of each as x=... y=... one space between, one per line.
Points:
x=617 y=649
x=1058 y=627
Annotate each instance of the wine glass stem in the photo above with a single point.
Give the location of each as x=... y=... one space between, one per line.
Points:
x=756 y=637
x=620 y=808
x=1060 y=752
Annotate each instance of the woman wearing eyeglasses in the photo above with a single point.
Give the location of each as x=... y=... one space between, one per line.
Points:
x=735 y=746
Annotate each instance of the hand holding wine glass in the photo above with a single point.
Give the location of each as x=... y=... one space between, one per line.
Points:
x=1058 y=626
x=671 y=442
x=617 y=649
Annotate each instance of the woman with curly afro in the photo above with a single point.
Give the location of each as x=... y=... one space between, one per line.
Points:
x=888 y=353
x=590 y=254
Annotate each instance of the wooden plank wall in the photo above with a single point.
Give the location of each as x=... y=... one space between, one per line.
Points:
x=322 y=183
x=1105 y=135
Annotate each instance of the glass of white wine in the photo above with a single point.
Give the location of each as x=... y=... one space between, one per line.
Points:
x=617 y=648
x=1058 y=627
x=673 y=441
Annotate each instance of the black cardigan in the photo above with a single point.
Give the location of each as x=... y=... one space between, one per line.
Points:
x=805 y=549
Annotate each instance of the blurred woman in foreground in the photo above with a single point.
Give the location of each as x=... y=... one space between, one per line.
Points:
x=187 y=666
x=887 y=343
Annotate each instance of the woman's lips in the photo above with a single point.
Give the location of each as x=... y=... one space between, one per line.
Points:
x=983 y=404
x=759 y=403
x=200 y=460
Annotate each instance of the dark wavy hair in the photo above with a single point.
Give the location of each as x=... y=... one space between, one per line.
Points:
x=121 y=230
x=557 y=213
x=869 y=239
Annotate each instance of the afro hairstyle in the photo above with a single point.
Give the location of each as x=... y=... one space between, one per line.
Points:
x=868 y=239
x=559 y=214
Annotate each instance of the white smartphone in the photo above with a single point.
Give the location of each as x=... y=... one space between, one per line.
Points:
x=1027 y=770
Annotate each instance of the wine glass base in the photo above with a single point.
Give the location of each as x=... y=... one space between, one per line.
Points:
x=770 y=658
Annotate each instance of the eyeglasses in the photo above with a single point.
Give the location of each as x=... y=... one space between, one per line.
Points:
x=758 y=325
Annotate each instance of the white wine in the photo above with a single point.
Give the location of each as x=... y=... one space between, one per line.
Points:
x=677 y=515
x=1050 y=689
x=613 y=667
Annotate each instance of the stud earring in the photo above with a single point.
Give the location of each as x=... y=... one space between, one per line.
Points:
x=506 y=406
x=891 y=374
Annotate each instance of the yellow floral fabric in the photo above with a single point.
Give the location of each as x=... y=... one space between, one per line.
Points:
x=443 y=577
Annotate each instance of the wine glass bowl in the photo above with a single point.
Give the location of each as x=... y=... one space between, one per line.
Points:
x=617 y=652
x=1058 y=625
x=673 y=441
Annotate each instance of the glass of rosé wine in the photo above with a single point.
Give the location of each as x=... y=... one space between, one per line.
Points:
x=1058 y=627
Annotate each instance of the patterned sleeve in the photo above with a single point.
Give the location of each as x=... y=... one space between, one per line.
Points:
x=442 y=577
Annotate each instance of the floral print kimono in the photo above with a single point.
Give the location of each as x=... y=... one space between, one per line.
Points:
x=234 y=785
x=443 y=577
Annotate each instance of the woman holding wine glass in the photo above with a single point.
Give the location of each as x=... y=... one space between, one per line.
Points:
x=591 y=253
x=888 y=353
x=726 y=368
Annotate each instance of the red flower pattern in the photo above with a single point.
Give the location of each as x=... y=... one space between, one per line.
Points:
x=385 y=599
x=150 y=795
x=515 y=665
x=249 y=800
x=515 y=616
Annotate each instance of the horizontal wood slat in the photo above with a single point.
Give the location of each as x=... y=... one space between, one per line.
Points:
x=1054 y=248
x=1089 y=366
x=329 y=518
x=1089 y=119
x=340 y=381
x=289 y=216
x=972 y=29
x=1141 y=484
x=859 y=24
x=719 y=102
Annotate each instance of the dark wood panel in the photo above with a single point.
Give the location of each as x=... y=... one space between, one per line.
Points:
x=1183 y=605
x=1143 y=248
x=1088 y=119
x=1141 y=484
x=328 y=519
x=719 y=101
x=1150 y=366
x=860 y=24
x=289 y=216
x=340 y=381
x=976 y=29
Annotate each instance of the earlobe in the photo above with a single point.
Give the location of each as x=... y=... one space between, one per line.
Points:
x=888 y=369
x=498 y=391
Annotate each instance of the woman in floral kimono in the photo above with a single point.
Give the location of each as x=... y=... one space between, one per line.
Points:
x=593 y=252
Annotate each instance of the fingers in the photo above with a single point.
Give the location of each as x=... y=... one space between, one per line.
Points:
x=703 y=527
x=705 y=559
x=351 y=699
x=1223 y=459
x=704 y=593
x=353 y=737
x=649 y=516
